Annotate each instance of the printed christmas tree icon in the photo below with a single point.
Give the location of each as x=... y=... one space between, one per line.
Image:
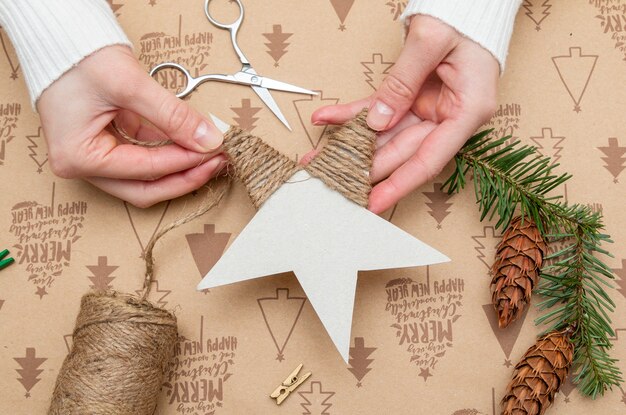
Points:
x=376 y=70
x=157 y=295
x=575 y=70
x=548 y=144
x=537 y=11
x=10 y=55
x=207 y=247
x=486 y=245
x=281 y=313
x=114 y=7
x=621 y=273
x=567 y=387
x=438 y=204
x=38 y=149
x=316 y=400
x=101 y=274
x=359 y=362
x=29 y=369
x=245 y=118
x=145 y=222
x=304 y=108
x=506 y=338
x=614 y=158
x=277 y=43
x=342 y=8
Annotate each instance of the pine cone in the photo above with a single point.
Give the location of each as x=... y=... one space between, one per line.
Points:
x=539 y=375
x=516 y=269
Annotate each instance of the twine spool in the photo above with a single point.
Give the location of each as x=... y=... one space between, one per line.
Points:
x=119 y=355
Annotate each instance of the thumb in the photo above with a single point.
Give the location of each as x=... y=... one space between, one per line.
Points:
x=420 y=56
x=173 y=116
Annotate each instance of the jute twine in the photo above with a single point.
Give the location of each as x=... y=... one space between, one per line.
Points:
x=260 y=167
x=122 y=343
x=345 y=162
x=118 y=359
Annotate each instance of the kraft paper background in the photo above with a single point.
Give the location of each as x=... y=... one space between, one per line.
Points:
x=424 y=340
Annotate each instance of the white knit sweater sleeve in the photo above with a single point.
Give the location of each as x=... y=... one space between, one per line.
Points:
x=487 y=22
x=51 y=36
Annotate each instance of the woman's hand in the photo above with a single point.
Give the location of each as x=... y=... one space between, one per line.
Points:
x=441 y=89
x=111 y=84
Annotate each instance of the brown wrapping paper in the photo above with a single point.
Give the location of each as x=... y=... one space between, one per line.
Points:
x=424 y=340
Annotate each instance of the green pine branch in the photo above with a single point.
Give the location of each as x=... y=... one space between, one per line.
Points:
x=511 y=179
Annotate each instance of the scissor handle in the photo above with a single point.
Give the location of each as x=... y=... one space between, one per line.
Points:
x=191 y=81
x=233 y=28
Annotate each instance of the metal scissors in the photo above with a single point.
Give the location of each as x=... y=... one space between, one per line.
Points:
x=246 y=76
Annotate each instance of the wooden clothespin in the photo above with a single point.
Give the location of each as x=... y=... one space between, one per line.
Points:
x=289 y=385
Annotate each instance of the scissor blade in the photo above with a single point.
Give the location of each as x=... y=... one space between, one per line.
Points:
x=267 y=98
x=270 y=83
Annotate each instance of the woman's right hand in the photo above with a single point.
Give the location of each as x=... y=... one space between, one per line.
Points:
x=111 y=85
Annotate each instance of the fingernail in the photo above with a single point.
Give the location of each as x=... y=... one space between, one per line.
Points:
x=380 y=116
x=207 y=137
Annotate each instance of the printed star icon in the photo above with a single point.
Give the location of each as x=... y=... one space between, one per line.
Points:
x=325 y=239
x=41 y=291
x=425 y=373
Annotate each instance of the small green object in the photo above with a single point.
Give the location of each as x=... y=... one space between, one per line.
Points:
x=5 y=262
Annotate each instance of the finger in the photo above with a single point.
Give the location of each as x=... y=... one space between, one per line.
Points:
x=339 y=113
x=103 y=156
x=144 y=194
x=306 y=159
x=426 y=106
x=409 y=120
x=421 y=54
x=131 y=124
x=399 y=150
x=433 y=154
x=174 y=117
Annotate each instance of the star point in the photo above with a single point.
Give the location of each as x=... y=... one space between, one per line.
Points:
x=325 y=239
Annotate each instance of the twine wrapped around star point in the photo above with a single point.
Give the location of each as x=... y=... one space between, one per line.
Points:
x=345 y=162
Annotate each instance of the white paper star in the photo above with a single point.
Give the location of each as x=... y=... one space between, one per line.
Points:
x=325 y=239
